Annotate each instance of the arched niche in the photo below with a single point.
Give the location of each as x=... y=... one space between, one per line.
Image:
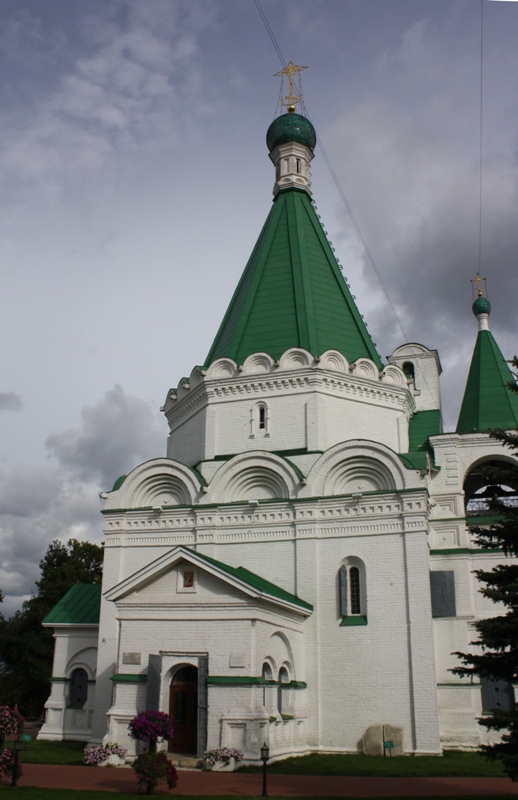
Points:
x=355 y=467
x=495 y=476
x=160 y=482
x=252 y=477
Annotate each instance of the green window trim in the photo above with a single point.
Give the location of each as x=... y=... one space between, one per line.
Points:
x=123 y=677
x=287 y=717
x=250 y=680
x=357 y=619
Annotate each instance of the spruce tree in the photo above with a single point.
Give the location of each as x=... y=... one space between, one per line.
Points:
x=497 y=639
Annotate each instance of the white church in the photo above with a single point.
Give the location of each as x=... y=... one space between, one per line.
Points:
x=298 y=569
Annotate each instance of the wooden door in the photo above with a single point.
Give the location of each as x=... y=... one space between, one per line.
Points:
x=183 y=710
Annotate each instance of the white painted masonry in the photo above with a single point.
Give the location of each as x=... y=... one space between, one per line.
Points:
x=281 y=552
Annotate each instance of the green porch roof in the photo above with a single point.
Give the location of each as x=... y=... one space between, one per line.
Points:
x=80 y=606
x=255 y=581
x=488 y=403
x=292 y=293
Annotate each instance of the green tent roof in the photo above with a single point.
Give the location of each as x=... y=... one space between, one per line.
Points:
x=292 y=293
x=488 y=403
x=80 y=606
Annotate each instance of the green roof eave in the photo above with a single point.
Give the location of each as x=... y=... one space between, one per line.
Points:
x=488 y=402
x=292 y=293
x=79 y=606
x=256 y=582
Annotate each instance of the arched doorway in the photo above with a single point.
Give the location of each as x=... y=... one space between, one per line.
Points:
x=183 y=710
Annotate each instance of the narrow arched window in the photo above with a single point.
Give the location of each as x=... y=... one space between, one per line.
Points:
x=262 y=418
x=354 y=590
x=78 y=688
x=299 y=166
x=408 y=369
x=267 y=675
x=283 y=678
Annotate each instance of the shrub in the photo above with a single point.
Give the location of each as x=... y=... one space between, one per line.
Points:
x=7 y=764
x=152 y=768
x=11 y=722
x=150 y=726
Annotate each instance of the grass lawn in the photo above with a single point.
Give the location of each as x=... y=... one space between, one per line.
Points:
x=35 y=752
x=30 y=793
x=451 y=764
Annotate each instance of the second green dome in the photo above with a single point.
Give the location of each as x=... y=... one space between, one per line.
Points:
x=291 y=128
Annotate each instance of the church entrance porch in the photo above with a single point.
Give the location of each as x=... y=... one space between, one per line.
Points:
x=183 y=710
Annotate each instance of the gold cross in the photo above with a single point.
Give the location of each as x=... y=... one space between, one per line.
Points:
x=291 y=99
x=478 y=280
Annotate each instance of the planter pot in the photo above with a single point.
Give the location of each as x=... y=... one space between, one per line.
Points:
x=112 y=761
x=222 y=766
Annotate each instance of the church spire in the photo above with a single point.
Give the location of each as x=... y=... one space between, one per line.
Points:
x=488 y=403
x=292 y=292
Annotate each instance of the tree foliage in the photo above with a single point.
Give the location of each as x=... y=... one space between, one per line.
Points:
x=26 y=648
x=497 y=655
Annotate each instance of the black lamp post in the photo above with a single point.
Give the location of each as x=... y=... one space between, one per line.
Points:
x=265 y=755
x=17 y=746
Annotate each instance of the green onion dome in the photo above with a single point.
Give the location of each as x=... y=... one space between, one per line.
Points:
x=291 y=128
x=481 y=306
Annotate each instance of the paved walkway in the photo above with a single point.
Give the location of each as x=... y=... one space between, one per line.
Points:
x=194 y=782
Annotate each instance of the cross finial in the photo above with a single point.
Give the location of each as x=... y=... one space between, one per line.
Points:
x=478 y=280
x=290 y=70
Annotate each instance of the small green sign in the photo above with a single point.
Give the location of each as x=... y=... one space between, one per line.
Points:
x=388 y=745
x=26 y=737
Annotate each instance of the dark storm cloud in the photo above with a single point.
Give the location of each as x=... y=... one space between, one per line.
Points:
x=10 y=401
x=116 y=435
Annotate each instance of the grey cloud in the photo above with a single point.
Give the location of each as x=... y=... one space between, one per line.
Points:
x=410 y=171
x=10 y=401
x=39 y=504
x=117 y=434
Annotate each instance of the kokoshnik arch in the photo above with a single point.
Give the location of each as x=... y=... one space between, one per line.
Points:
x=298 y=569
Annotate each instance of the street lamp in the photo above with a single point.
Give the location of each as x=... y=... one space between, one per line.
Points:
x=265 y=755
x=17 y=746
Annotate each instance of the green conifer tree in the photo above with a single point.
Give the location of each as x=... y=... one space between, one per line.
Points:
x=497 y=659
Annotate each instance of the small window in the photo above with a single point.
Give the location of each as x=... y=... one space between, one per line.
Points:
x=283 y=678
x=352 y=594
x=259 y=420
x=277 y=170
x=496 y=694
x=267 y=675
x=299 y=166
x=408 y=369
x=78 y=688
x=442 y=586
x=354 y=590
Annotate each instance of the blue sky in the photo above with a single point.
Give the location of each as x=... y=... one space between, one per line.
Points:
x=135 y=181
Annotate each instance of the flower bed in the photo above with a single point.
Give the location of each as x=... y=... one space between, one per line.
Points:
x=94 y=755
x=222 y=757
